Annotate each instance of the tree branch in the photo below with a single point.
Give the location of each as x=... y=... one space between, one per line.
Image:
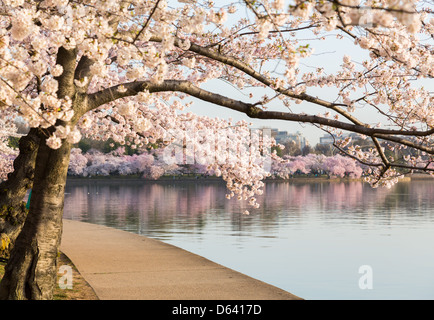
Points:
x=147 y=21
x=83 y=67
x=262 y=79
x=67 y=59
x=133 y=88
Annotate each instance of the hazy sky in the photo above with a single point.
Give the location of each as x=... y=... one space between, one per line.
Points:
x=328 y=54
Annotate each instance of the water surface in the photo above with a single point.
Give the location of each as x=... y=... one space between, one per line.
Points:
x=307 y=238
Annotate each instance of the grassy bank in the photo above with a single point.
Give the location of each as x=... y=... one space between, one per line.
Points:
x=2 y=269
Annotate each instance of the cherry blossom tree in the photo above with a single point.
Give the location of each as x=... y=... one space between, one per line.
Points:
x=337 y=165
x=341 y=166
x=7 y=154
x=123 y=70
x=96 y=163
x=152 y=165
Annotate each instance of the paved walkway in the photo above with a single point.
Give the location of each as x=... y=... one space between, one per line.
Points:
x=125 y=266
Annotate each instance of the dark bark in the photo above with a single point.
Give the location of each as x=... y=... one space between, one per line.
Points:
x=13 y=210
x=31 y=270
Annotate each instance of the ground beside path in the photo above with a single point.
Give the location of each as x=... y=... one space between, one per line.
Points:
x=119 y=265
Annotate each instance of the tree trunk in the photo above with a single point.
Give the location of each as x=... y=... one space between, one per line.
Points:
x=31 y=270
x=13 y=210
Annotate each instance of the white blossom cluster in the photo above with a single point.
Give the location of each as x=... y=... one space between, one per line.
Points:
x=121 y=49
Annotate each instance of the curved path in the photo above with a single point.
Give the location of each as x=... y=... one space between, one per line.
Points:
x=120 y=265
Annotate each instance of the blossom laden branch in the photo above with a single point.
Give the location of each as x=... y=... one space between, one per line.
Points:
x=131 y=89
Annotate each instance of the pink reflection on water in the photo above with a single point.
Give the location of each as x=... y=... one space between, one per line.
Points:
x=127 y=201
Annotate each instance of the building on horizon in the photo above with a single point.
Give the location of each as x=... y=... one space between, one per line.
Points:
x=328 y=139
x=283 y=137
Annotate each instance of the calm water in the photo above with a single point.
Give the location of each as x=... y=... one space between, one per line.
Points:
x=307 y=238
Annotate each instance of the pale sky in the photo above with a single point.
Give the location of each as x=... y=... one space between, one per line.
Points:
x=328 y=54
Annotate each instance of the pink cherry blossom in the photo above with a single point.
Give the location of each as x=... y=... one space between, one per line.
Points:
x=134 y=66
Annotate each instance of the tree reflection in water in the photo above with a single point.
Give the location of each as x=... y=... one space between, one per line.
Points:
x=190 y=204
x=307 y=238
